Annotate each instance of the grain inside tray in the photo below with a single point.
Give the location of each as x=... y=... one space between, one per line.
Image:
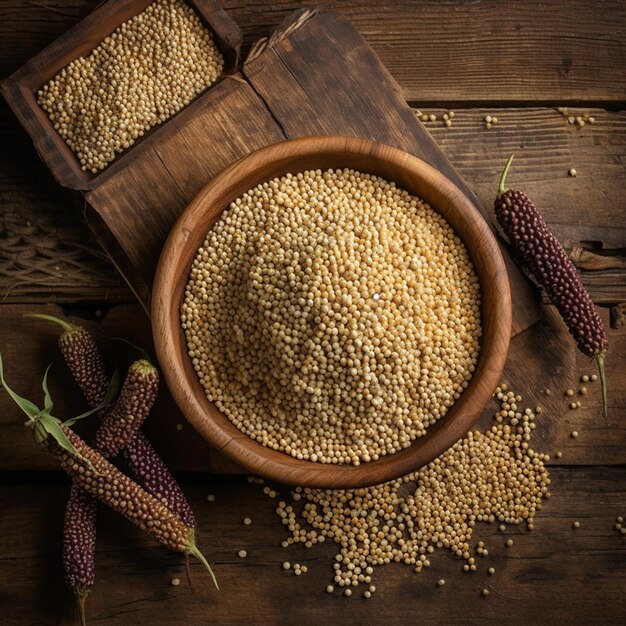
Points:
x=332 y=316
x=147 y=70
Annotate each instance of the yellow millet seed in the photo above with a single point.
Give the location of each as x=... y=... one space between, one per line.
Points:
x=145 y=71
x=332 y=316
x=485 y=477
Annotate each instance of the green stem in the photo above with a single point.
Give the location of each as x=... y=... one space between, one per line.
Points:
x=66 y=326
x=600 y=361
x=81 y=608
x=194 y=550
x=505 y=171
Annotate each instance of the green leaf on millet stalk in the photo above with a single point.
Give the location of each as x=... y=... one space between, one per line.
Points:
x=113 y=387
x=31 y=409
x=47 y=398
x=53 y=427
x=66 y=326
x=43 y=423
x=112 y=391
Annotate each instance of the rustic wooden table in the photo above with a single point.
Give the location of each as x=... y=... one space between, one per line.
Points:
x=517 y=61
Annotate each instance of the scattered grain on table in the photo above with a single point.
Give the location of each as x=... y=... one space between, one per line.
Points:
x=486 y=477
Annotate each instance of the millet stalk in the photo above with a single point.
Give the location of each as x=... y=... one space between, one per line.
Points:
x=143 y=461
x=102 y=480
x=120 y=427
x=544 y=257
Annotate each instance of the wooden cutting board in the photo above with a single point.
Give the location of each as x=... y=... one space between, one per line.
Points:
x=314 y=75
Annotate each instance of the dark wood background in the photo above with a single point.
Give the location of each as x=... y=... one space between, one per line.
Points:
x=515 y=60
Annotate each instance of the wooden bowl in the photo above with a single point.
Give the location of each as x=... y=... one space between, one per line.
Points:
x=367 y=156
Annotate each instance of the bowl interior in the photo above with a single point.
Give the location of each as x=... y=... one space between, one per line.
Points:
x=366 y=156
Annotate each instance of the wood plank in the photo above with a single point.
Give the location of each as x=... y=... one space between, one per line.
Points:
x=28 y=346
x=552 y=575
x=588 y=207
x=588 y=210
x=529 y=51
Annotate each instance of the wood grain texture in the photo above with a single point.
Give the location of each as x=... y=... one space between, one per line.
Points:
x=409 y=173
x=486 y=51
x=587 y=211
x=552 y=575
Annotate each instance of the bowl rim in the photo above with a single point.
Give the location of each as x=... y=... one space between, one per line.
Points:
x=180 y=250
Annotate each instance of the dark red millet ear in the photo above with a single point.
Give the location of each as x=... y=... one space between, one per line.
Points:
x=544 y=257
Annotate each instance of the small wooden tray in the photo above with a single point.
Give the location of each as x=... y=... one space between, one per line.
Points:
x=20 y=89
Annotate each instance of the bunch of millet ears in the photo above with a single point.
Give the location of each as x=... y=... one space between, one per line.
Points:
x=148 y=495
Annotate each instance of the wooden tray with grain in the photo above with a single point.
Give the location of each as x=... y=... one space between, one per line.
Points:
x=315 y=75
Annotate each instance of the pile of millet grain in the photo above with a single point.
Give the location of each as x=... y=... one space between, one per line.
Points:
x=332 y=316
x=147 y=70
x=486 y=477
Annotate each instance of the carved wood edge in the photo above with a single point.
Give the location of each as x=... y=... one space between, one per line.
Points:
x=290 y=24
